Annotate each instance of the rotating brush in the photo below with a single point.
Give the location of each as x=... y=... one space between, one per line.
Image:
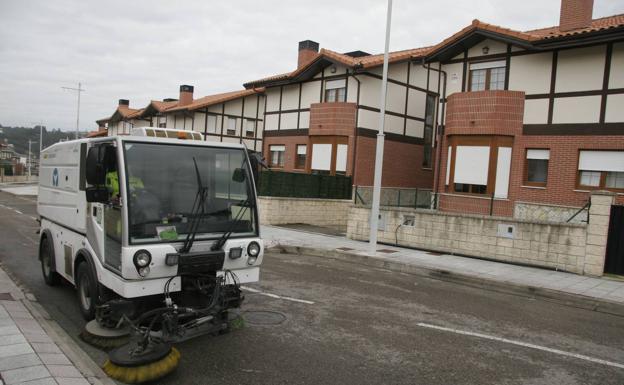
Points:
x=155 y=362
x=104 y=338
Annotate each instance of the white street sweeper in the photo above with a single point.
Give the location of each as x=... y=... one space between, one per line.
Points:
x=156 y=230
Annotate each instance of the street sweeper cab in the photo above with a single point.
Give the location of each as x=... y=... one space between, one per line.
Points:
x=156 y=230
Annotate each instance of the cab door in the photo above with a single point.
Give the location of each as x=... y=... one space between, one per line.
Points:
x=104 y=222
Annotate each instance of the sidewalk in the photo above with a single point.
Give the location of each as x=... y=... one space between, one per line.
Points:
x=30 y=351
x=601 y=294
x=20 y=189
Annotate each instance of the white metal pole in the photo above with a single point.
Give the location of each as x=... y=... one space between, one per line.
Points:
x=374 y=218
x=29 y=142
x=78 y=111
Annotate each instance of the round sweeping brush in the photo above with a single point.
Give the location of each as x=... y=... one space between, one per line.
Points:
x=104 y=338
x=135 y=365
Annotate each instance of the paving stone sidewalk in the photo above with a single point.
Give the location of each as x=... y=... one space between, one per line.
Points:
x=28 y=355
x=582 y=287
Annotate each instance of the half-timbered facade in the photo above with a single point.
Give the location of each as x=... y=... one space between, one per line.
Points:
x=324 y=116
x=235 y=117
x=533 y=119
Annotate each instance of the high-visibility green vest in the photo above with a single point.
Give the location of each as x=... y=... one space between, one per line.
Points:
x=112 y=182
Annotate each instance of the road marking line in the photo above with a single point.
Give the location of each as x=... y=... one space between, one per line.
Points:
x=524 y=344
x=260 y=292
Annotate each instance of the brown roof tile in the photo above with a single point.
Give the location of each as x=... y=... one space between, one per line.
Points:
x=596 y=25
x=376 y=60
x=216 y=99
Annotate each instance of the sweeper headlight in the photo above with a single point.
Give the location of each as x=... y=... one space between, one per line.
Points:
x=253 y=249
x=142 y=258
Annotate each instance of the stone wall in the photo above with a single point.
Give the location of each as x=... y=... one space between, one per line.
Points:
x=318 y=212
x=573 y=247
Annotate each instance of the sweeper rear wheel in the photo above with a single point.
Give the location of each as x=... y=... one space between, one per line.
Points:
x=134 y=365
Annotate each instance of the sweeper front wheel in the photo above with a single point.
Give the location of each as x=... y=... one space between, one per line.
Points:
x=104 y=338
x=134 y=365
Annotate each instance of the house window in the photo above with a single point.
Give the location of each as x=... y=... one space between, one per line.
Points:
x=300 y=161
x=162 y=122
x=250 y=128
x=480 y=165
x=471 y=169
x=537 y=167
x=277 y=155
x=428 y=131
x=211 y=124
x=487 y=76
x=335 y=90
x=615 y=180
x=321 y=158
x=601 y=169
x=231 y=127
x=341 y=159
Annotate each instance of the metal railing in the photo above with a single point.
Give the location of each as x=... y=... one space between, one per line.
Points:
x=396 y=197
x=300 y=185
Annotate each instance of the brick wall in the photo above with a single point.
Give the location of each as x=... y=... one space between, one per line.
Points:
x=336 y=119
x=318 y=212
x=402 y=165
x=577 y=248
x=575 y=14
x=485 y=113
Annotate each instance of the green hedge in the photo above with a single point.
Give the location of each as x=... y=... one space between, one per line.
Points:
x=297 y=185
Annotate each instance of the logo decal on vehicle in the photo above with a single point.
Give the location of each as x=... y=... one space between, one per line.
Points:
x=55 y=177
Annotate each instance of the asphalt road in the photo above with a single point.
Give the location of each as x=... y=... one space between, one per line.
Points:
x=350 y=324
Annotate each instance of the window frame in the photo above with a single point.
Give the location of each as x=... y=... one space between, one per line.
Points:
x=603 y=175
x=488 y=78
x=228 y=129
x=428 y=132
x=282 y=158
x=336 y=91
x=249 y=122
x=525 y=177
x=601 y=186
x=298 y=165
x=494 y=142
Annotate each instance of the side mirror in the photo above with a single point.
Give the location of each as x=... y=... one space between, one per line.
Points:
x=97 y=194
x=239 y=175
x=95 y=171
x=256 y=160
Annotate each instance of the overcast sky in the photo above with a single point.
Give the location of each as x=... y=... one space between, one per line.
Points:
x=143 y=50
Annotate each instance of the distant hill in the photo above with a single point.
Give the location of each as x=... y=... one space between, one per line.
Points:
x=18 y=137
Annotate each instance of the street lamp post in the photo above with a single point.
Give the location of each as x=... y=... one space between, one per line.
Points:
x=30 y=158
x=78 y=91
x=374 y=218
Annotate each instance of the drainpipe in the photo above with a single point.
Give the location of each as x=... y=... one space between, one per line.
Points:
x=355 y=129
x=437 y=173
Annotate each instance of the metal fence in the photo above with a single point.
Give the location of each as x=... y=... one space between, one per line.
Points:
x=298 y=185
x=396 y=197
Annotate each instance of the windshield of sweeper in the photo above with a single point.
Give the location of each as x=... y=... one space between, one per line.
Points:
x=164 y=188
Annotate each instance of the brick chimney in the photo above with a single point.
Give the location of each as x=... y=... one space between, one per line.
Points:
x=186 y=95
x=575 y=14
x=307 y=50
x=123 y=103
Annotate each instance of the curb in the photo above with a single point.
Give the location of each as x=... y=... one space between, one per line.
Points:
x=560 y=297
x=81 y=360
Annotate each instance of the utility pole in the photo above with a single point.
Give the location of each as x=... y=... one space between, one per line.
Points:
x=29 y=158
x=374 y=218
x=40 y=123
x=78 y=91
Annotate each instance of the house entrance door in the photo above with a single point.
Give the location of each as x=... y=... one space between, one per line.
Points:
x=614 y=262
